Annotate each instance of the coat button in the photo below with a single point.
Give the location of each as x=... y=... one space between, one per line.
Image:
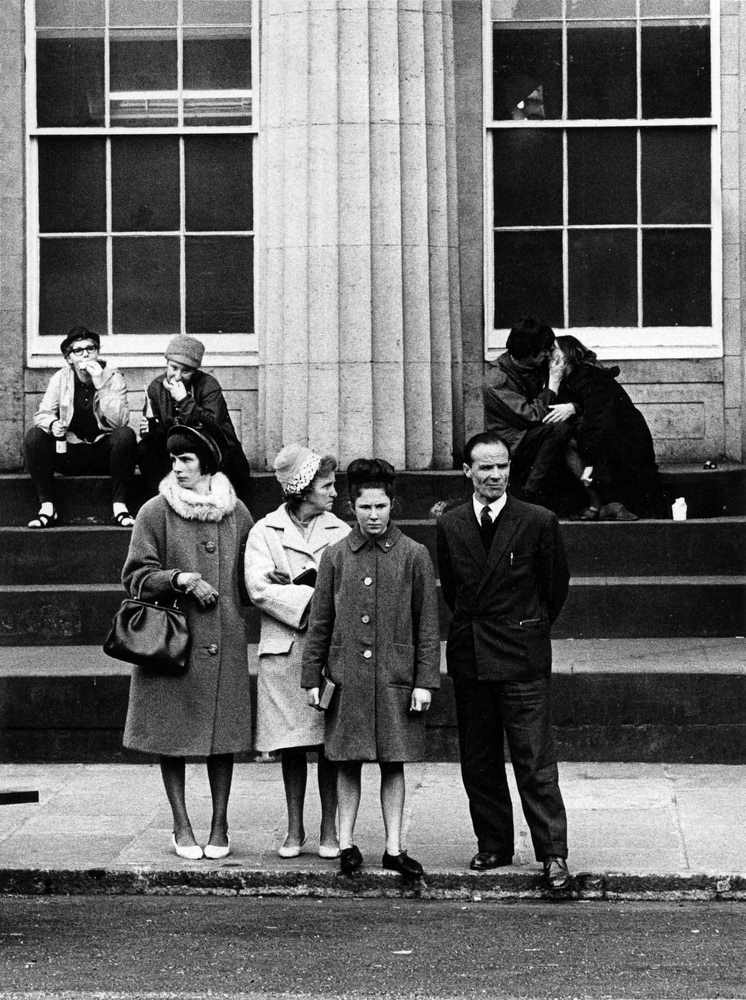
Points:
x=365 y=619
x=212 y=649
x=210 y=546
x=368 y=580
x=367 y=654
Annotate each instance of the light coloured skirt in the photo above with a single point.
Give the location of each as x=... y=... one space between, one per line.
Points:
x=283 y=717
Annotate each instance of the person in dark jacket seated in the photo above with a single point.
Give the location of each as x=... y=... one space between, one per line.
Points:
x=522 y=406
x=616 y=455
x=185 y=395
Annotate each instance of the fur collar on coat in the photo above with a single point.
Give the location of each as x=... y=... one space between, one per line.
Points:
x=192 y=506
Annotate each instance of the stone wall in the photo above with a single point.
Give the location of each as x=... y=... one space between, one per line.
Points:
x=12 y=233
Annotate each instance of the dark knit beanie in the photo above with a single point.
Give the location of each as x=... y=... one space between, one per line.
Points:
x=185 y=350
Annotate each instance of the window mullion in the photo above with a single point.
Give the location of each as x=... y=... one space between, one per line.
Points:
x=182 y=234
x=109 y=244
x=639 y=227
x=565 y=235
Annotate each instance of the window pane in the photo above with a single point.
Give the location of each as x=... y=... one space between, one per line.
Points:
x=217 y=59
x=676 y=71
x=676 y=175
x=70 y=79
x=219 y=284
x=146 y=285
x=530 y=10
x=218 y=183
x=676 y=8
x=528 y=277
x=676 y=277
x=528 y=177
x=602 y=172
x=217 y=12
x=72 y=285
x=527 y=73
x=126 y=13
x=600 y=8
x=603 y=277
x=145 y=183
x=72 y=185
x=62 y=13
x=601 y=71
x=143 y=62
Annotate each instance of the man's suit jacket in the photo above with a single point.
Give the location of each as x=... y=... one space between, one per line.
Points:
x=503 y=602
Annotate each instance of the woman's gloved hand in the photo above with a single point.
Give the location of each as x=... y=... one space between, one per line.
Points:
x=202 y=591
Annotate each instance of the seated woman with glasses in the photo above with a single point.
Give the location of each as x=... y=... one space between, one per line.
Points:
x=82 y=427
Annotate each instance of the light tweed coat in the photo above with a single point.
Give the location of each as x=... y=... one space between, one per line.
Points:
x=208 y=709
x=283 y=717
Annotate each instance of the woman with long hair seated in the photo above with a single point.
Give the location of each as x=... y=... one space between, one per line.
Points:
x=616 y=454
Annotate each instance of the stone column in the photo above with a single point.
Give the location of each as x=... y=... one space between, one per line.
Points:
x=357 y=261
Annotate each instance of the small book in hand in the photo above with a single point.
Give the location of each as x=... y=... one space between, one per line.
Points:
x=326 y=693
x=307 y=577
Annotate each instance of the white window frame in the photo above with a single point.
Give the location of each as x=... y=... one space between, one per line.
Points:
x=134 y=350
x=639 y=342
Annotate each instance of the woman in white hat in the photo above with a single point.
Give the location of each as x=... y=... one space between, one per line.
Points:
x=282 y=556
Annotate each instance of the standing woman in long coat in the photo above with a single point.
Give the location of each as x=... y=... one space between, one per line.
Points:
x=187 y=543
x=374 y=632
x=282 y=557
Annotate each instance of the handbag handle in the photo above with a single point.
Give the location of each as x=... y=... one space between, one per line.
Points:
x=174 y=603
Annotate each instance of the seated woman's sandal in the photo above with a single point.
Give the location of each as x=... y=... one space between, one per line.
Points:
x=44 y=520
x=123 y=519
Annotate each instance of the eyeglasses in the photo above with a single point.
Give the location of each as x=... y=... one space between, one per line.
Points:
x=84 y=349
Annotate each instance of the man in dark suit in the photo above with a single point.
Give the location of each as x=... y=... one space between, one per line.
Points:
x=504 y=576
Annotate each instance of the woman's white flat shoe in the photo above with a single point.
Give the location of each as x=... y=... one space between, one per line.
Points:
x=191 y=853
x=290 y=851
x=215 y=853
x=328 y=852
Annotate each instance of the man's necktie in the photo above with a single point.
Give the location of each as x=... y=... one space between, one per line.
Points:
x=486 y=527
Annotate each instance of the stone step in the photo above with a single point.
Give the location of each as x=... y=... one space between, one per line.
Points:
x=616 y=700
x=597 y=606
x=645 y=548
x=86 y=499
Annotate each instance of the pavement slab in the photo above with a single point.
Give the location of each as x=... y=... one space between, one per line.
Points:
x=637 y=831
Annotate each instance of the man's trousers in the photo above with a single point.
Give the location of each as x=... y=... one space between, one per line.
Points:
x=520 y=710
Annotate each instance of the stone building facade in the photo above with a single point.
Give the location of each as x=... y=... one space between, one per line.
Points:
x=342 y=198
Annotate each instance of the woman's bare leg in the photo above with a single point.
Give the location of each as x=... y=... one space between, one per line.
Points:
x=173 y=770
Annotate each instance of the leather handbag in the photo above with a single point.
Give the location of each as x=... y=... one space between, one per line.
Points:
x=151 y=635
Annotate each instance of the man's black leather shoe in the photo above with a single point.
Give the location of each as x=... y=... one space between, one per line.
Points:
x=556 y=874
x=350 y=859
x=407 y=867
x=483 y=861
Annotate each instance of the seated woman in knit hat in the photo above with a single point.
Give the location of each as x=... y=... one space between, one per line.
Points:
x=186 y=395
x=282 y=556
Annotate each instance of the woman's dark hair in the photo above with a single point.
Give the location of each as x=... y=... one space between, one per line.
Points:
x=575 y=352
x=327 y=465
x=183 y=440
x=370 y=473
x=528 y=337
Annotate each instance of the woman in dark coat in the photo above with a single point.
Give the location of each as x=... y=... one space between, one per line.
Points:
x=613 y=441
x=374 y=632
x=187 y=543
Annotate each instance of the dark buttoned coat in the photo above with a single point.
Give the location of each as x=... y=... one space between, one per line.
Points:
x=208 y=709
x=374 y=629
x=503 y=602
